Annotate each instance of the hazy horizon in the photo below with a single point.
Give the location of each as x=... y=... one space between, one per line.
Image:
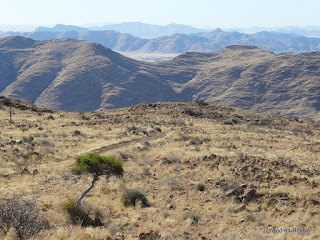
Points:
x=202 y=14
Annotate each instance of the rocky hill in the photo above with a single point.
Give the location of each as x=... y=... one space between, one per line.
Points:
x=80 y=75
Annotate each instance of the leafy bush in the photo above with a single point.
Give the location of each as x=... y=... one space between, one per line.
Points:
x=175 y=184
x=76 y=133
x=227 y=122
x=192 y=113
x=195 y=219
x=196 y=141
x=46 y=143
x=100 y=165
x=177 y=122
x=28 y=139
x=200 y=187
x=50 y=117
x=24 y=216
x=158 y=129
x=79 y=215
x=170 y=160
x=201 y=103
x=131 y=196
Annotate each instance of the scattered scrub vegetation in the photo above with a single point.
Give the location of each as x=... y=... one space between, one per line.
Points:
x=21 y=215
x=130 y=197
x=80 y=215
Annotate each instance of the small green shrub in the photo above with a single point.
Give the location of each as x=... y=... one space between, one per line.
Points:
x=177 y=122
x=250 y=218
x=50 y=117
x=131 y=196
x=194 y=218
x=79 y=214
x=192 y=113
x=196 y=141
x=158 y=129
x=170 y=160
x=201 y=103
x=46 y=143
x=84 y=117
x=29 y=147
x=200 y=187
x=227 y=122
x=76 y=133
x=175 y=184
x=28 y=139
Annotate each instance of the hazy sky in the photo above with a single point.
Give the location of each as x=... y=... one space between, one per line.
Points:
x=201 y=13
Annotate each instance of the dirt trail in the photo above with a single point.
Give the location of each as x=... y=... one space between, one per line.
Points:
x=125 y=143
x=104 y=149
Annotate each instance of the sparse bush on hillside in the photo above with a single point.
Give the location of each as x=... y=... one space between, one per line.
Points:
x=227 y=122
x=200 y=187
x=130 y=197
x=137 y=130
x=192 y=113
x=21 y=215
x=80 y=214
x=193 y=218
x=177 y=122
x=170 y=160
x=202 y=103
x=28 y=139
x=83 y=116
x=175 y=184
x=46 y=143
x=76 y=133
x=196 y=141
x=158 y=129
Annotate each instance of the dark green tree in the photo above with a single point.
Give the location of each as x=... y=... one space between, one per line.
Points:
x=98 y=165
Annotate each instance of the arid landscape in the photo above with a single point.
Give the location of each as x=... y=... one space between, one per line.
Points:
x=207 y=172
x=160 y=120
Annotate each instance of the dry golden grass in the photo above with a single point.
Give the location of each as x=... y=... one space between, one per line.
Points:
x=280 y=159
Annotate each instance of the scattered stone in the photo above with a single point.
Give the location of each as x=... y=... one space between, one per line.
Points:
x=119 y=237
x=314 y=202
x=150 y=235
x=284 y=198
x=234 y=192
x=248 y=195
x=240 y=209
x=25 y=171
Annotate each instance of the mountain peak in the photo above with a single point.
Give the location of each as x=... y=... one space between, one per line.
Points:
x=16 y=42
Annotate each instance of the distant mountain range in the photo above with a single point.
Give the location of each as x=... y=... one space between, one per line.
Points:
x=148 y=31
x=137 y=29
x=85 y=76
x=179 y=43
x=308 y=31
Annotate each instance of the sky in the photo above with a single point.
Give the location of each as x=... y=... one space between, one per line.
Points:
x=198 y=13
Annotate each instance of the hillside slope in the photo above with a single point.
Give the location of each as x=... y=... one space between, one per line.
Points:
x=207 y=172
x=80 y=75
